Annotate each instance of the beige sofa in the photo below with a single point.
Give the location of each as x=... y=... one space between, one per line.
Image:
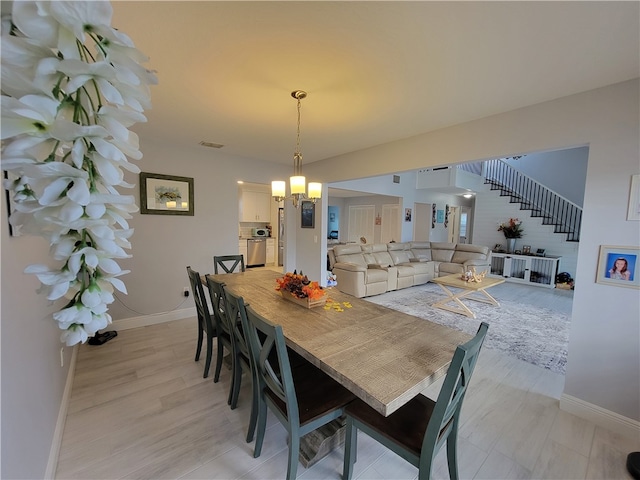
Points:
x=372 y=269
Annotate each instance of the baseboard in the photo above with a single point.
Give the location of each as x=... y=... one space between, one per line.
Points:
x=156 y=318
x=52 y=463
x=598 y=415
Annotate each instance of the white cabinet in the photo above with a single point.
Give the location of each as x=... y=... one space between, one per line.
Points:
x=529 y=269
x=242 y=249
x=255 y=206
x=271 y=251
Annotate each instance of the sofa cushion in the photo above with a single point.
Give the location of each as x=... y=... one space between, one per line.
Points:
x=399 y=256
x=374 y=275
x=447 y=268
x=442 y=251
x=463 y=257
x=420 y=250
x=356 y=258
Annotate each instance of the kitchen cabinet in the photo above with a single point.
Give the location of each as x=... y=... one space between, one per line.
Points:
x=255 y=206
x=271 y=251
x=528 y=269
x=242 y=249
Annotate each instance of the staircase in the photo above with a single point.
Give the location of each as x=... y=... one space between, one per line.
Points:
x=564 y=215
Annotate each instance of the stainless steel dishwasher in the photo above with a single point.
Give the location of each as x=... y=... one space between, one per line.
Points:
x=256 y=252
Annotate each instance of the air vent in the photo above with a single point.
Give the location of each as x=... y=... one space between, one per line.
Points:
x=396 y=179
x=211 y=144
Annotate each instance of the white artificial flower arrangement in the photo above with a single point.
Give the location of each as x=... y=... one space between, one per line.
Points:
x=71 y=87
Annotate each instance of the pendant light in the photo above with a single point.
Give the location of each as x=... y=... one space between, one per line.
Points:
x=297 y=182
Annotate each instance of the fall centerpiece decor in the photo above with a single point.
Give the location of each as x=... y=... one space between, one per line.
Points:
x=297 y=288
x=72 y=85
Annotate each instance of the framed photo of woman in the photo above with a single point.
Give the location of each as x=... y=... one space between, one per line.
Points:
x=619 y=266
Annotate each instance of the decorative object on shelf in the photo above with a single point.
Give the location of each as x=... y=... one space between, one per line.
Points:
x=308 y=215
x=446 y=216
x=526 y=249
x=473 y=277
x=296 y=287
x=297 y=183
x=511 y=230
x=166 y=194
x=619 y=266
x=72 y=85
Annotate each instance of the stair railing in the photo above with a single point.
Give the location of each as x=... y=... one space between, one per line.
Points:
x=563 y=214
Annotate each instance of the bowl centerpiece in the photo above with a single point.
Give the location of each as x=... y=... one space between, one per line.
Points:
x=297 y=288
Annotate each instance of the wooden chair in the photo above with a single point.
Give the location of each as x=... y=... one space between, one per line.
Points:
x=242 y=359
x=205 y=325
x=417 y=430
x=302 y=399
x=216 y=291
x=225 y=260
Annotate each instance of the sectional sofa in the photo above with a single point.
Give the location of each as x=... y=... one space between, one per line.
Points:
x=372 y=269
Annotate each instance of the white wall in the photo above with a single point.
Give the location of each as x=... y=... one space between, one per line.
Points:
x=492 y=209
x=563 y=171
x=604 y=351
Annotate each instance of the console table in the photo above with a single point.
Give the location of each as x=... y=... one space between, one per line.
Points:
x=528 y=269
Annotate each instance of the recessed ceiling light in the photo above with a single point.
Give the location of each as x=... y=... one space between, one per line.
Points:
x=211 y=144
x=468 y=195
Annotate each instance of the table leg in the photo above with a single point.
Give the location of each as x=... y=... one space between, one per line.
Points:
x=452 y=297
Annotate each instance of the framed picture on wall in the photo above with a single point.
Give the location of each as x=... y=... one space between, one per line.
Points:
x=308 y=215
x=166 y=194
x=618 y=266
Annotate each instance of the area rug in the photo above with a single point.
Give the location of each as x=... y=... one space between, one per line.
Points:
x=536 y=335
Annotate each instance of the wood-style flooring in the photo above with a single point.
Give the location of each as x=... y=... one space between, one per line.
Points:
x=141 y=409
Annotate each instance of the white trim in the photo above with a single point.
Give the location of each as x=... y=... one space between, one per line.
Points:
x=598 y=415
x=156 y=318
x=52 y=463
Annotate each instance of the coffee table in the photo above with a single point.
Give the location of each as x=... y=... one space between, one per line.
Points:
x=466 y=290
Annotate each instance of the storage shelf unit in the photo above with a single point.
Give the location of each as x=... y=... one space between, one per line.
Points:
x=529 y=269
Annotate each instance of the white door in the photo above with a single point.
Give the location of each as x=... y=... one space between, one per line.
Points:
x=453 y=227
x=361 y=221
x=390 y=223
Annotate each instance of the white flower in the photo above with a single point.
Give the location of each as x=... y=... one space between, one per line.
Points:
x=72 y=87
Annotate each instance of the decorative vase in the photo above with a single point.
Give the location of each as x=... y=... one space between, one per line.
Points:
x=511 y=245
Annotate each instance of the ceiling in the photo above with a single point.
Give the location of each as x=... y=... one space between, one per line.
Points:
x=374 y=71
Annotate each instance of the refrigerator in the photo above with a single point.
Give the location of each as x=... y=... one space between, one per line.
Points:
x=280 y=237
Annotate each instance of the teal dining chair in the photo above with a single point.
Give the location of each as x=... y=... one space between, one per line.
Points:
x=228 y=263
x=225 y=341
x=418 y=429
x=205 y=324
x=302 y=398
x=242 y=359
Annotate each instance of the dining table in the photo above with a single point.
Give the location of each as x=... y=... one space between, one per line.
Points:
x=384 y=356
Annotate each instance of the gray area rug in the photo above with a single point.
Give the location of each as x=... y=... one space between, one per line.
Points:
x=534 y=334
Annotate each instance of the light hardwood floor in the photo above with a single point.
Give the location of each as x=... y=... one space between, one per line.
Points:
x=141 y=409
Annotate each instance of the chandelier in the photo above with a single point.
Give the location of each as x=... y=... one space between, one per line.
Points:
x=297 y=182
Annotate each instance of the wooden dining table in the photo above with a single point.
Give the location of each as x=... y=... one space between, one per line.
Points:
x=385 y=357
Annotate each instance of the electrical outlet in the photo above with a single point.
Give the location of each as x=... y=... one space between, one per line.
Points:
x=185 y=291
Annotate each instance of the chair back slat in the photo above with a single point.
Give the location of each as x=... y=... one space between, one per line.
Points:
x=446 y=413
x=228 y=263
x=202 y=308
x=216 y=292
x=273 y=371
x=235 y=309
